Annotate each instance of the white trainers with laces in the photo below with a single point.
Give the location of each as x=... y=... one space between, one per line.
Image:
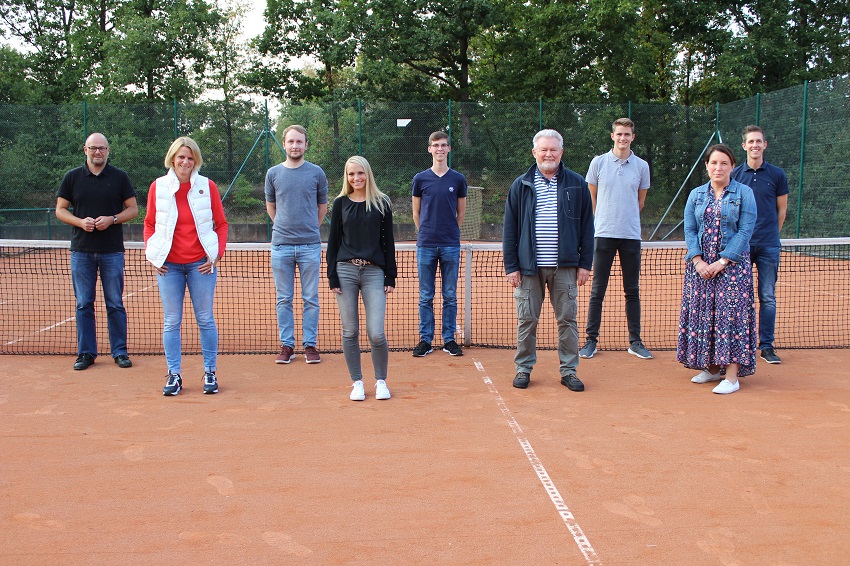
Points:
x=725 y=387
x=357 y=391
x=381 y=390
x=705 y=376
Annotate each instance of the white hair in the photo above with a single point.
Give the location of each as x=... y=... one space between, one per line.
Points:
x=548 y=134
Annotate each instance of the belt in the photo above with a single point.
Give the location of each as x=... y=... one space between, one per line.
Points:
x=359 y=262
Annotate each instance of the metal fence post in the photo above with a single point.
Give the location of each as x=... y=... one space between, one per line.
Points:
x=539 y=114
x=450 y=131
x=360 y=126
x=85 y=122
x=758 y=108
x=176 y=131
x=802 y=156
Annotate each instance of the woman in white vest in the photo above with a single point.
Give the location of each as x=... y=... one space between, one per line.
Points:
x=185 y=236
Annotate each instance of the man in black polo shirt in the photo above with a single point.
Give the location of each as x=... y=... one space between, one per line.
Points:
x=101 y=197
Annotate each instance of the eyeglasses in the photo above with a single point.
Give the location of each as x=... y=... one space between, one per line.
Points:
x=97 y=148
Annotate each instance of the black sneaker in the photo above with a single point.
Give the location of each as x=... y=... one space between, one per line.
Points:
x=422 y=349
x=123 y=361
x=452 y=348
x=522 y=380
x=768 y=355
x=83 y=361
x=173 y=384
x=210 y=383
x=572 y=382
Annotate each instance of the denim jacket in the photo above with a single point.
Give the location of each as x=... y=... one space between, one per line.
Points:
x=738 y=209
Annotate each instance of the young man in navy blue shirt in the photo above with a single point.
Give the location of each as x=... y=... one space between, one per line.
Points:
x=439 y=205
x=770 y=187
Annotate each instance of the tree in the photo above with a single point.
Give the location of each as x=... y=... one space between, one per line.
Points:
x=158 y=49
x=13 y=68
x=431 y=40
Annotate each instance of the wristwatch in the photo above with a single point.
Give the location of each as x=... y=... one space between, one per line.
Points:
x=114 y=219
x=723 y=261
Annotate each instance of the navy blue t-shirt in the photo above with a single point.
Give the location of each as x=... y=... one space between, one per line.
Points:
x=767 y=182
x=438 y=210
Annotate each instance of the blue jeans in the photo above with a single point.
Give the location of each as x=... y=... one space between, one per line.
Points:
x=172 y=291
x=603 y=258
x=563 y=293
x=308 y=259
x=766 y=260
x=449 y=259
x=84 y=269
x=368 y=281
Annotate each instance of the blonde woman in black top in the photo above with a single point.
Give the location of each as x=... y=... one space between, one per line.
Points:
x=361 y=259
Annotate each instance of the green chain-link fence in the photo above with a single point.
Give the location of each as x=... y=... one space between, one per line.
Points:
x=491 y=142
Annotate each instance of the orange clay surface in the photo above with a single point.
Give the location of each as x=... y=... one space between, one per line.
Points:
x=643 y=468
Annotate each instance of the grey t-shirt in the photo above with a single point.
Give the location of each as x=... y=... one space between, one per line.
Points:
x=297 y=194
x=617 y=184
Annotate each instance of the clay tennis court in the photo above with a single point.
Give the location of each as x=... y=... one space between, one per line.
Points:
x=458 y=467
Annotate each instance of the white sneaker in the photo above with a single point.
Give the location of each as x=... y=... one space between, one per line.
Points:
x=357 y=391
x=725 y=387
x=381 y=390
x=704 y=377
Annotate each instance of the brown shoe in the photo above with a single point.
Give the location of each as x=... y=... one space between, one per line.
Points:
x=312 y=355
x=285 y=356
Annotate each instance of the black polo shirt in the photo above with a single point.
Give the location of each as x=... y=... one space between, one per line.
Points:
x=96 y=195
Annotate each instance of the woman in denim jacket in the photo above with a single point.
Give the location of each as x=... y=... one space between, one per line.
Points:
x=717 y=320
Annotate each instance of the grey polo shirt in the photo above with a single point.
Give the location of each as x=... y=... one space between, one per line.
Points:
x=617 y=184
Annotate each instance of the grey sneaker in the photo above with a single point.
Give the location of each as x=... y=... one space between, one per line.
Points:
x=639 y=350
x=769 y=355
x=588 y=351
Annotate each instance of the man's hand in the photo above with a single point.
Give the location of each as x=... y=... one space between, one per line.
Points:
x=514 y=279
x=582 y=276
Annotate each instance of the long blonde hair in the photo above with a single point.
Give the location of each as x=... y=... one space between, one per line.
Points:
x=374 y=196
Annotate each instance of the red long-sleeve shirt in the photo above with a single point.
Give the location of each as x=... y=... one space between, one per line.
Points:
x=185 y=245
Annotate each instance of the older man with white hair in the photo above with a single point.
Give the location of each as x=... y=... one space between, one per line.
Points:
x=548 y=244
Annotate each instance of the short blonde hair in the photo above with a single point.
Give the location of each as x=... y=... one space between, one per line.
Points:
x=184 y=141
x=374 y=196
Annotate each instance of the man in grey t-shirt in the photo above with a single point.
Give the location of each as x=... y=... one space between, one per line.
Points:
x=297 y=201
x=618 y=181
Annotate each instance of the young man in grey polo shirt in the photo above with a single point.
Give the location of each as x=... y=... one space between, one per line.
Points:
x=618 y=181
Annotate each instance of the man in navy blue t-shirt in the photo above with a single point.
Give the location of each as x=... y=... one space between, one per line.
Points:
x=770 y=187
x=439 y=204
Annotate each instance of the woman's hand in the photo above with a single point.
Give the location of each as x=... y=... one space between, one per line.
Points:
x=209 y=266
x=336 y=290
x=716 y=269
x=388 y=289
x=709 y=270
x=162 y=270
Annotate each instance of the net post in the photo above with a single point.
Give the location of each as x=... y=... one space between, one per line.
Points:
x=467 y=297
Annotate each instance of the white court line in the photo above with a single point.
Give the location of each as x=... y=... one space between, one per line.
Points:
x=67 y=320
x=555 y=496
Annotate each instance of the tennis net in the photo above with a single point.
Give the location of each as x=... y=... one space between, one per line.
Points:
x=37 y=304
